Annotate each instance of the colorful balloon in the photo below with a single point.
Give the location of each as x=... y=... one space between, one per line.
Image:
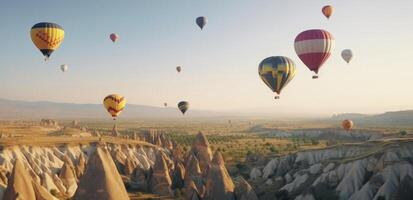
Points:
x=347 y=124
x=347 y=55
x=114 y=104
x=276 y=72
x=178 y=68
x=114 y=37
x=327 y=11
x=47 y=37
x=183 y=106
x=63 y=67
x=201 y=21
x=314 y=47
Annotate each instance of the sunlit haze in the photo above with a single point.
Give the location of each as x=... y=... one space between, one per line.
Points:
x=219 y=63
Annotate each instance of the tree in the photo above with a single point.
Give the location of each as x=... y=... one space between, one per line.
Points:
x=403 y=132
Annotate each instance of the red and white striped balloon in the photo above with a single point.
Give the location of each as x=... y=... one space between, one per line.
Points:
x=314 y=47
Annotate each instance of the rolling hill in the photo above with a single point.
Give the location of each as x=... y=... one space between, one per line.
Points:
x=388 y=119
x=14 y=109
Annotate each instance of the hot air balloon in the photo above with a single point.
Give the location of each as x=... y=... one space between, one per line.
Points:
x=314 y=47
x=347 y=124
x=47 y=37
x=347 y=55
x=327 y=11
x=178 y=68
x=165 y=104
x=276 y=72
x=114 y=104
x=201 y=21
x=63 y=67
x=114 y=37
x=183 y=106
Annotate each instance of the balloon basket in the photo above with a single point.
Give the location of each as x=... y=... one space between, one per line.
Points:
x=277 y=97
x=315 y=77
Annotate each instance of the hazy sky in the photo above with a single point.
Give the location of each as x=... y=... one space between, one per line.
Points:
x=220 y=63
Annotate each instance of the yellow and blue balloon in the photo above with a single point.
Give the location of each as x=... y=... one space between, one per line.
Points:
x=47 y=37
x=276 y=72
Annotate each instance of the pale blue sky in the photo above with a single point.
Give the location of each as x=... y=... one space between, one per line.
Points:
x=220 y=63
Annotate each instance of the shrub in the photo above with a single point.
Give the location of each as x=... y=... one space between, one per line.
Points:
x=273 y=149
x=314 y=142
x=403 y=132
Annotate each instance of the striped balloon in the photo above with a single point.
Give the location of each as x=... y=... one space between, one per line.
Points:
x=276 y=72
x=183 y=106
x=314 y=47
x=114 y=104
x=47 y=37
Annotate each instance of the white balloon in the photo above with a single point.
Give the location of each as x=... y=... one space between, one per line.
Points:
x=63 y=67
x=347 y=55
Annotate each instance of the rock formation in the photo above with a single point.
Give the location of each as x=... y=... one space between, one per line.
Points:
x=200 y=148
x=178 y=176
x=49 y=123
x=115 y=132
x=160 y=182
x=244 y=191
x=356 y=171
x=219 y=184
x=19 y=184
x=80 y=166
x=101 y=179
x=68 y=177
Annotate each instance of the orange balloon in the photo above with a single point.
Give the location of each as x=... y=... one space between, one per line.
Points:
x=347 y=124
x=327 y=11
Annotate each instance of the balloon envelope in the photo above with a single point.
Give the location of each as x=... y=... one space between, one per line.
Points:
x=327 y=11
x=114 y=37
x=114 y=104
x=183 y=106
x=347 y=124
x=314 y=47
x=165 y=104
x=47 y=37
x=276 y=72
x=201 y=21
x=178 y=68
x=63 y=67
x=347 y=55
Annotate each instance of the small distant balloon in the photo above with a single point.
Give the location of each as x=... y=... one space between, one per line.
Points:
x=63 y=67
x=183 y=106
x=165 y=104
x=114 y=37
x=47 y=37
x=327 y=11
x=201 y=21
x=178 y=68
x=347 y=124
x=347 y=55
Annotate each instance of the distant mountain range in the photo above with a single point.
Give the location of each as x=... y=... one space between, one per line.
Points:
x=14 y=109
x=388 y=119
